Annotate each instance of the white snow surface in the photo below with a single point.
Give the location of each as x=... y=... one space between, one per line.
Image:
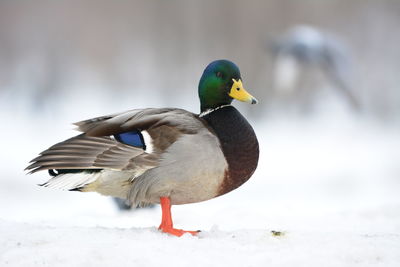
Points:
x=330 y=183
x=26 y=244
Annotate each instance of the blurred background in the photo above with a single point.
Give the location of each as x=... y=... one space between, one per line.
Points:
x=326 y=74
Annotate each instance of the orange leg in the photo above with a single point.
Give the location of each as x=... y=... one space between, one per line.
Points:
x=166 y=220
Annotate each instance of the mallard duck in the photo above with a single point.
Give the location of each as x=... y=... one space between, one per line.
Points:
x=162 y=155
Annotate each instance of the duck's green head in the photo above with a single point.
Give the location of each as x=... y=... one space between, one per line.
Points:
x=220 y=84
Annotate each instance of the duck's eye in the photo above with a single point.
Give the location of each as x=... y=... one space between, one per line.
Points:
x=218 y=74
x=238 y=88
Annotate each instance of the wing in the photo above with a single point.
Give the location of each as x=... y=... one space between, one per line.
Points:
x=86 y=152
x=141 y=119
x=97 y=148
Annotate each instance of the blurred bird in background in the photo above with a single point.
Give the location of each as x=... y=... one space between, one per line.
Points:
x=302 y=54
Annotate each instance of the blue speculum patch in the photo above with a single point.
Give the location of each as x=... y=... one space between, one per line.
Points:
x=133 y=138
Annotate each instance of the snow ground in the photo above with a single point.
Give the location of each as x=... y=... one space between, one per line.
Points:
x=329 y=183
x=32 y=244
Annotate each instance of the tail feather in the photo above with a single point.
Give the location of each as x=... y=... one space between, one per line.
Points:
x=72 y=181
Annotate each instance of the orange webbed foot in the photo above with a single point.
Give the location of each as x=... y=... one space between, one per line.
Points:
x=166 y=225
x=177 y=232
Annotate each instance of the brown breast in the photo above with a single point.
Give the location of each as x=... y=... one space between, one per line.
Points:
x=239 y=145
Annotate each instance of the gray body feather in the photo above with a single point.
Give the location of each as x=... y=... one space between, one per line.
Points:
x=186 y=162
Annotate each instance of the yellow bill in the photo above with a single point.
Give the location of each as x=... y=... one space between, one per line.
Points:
x=238 y=92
